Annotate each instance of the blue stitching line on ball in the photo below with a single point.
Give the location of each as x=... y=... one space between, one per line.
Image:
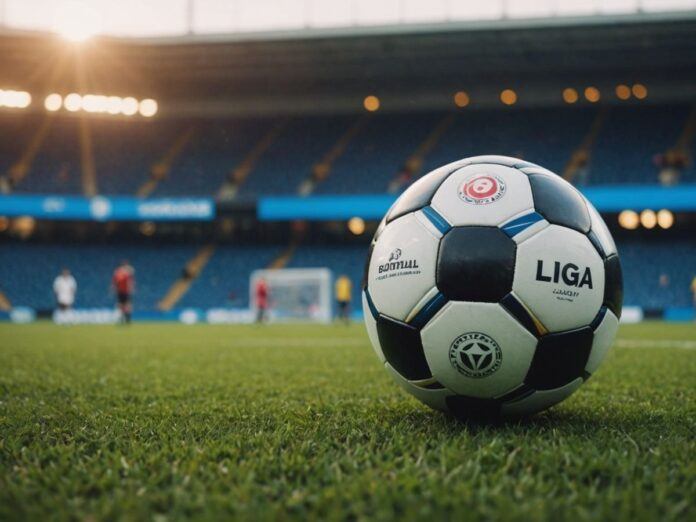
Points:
x=436 y=219
x=428 y=311
x=516 y=226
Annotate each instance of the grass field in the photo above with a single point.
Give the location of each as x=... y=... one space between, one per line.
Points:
x=166 y=422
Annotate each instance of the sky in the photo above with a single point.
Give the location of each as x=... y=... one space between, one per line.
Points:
x=82 y=18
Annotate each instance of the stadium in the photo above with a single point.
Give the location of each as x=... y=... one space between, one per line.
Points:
x=213 y=173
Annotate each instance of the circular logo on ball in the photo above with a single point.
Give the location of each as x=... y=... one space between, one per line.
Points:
x=482 y=189
x=475 y=354
x=395 y=255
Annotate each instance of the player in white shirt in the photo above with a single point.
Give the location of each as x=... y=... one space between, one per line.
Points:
x=64 y=288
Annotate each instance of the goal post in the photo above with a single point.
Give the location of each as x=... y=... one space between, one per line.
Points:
x=295 y=294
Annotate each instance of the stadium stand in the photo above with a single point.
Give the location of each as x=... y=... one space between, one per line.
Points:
x=212 y=153
x=225 y=279
x=630 y=138
x=34 y=266
x=544 y=136
x=56 y=167
x=289 y=160
x=657 y=274
x=377 y=153
x=15 y=162
x=126 y=153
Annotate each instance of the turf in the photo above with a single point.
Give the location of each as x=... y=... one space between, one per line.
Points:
x=167 y=422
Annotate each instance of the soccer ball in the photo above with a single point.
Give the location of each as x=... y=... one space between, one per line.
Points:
x=492 y=288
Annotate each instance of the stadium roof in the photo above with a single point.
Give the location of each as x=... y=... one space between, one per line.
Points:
x=396 y=59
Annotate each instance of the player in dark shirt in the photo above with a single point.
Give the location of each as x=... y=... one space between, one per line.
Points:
x=123 y=282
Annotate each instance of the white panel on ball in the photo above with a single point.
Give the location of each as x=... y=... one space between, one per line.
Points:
x=483 y=194
x=603 y=338
x=433 y=398
x=601 y=231
x=477 y=349
x=559 y=276
x=402 y=267
x=540 y=400
x=371 y=326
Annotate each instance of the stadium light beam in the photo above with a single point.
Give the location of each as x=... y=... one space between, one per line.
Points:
x=640 y=91
x=648 y=219
x=148 y=108
x=371 y=103
x=92 y=103
x=102 y=104
x=461 y=99
x=24 y=226
x=356 y=225
x=623 y=92
x=15 y=99
x=570 y=95
x=53 y=102
x=114 y=105
x=665 y=218
x=508 y=97
x=147 y=228
x=72 y=102
x=129 y=106
x=592 y=94
x=77 y=21
x=629 y=219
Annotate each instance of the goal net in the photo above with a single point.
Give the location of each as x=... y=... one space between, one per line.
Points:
x=295 y=294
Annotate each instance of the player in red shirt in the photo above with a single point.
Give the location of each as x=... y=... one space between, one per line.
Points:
x=261 y=291
x=123 y=282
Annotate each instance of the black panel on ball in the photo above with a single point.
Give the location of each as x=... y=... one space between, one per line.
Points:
x=420 y=193
x=476 y=264
x=613 y=284
x=402 y=348
x=559 y=203
x=559 y=359
x=473 y=408
x=596 y=243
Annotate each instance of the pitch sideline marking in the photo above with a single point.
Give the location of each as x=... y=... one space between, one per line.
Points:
x=314 y=342
x=664 y=343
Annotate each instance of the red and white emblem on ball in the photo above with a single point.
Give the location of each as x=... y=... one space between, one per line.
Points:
x=482 y=189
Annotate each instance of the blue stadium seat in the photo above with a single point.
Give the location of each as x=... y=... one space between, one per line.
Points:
x=20 y=128
x=644 y=262
x=56 y=167
x=224 y=282
x=630 y=138
x=214 y=151
x=544 y=136
x=124 y=150
x=290 y=158
x=377 y=153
